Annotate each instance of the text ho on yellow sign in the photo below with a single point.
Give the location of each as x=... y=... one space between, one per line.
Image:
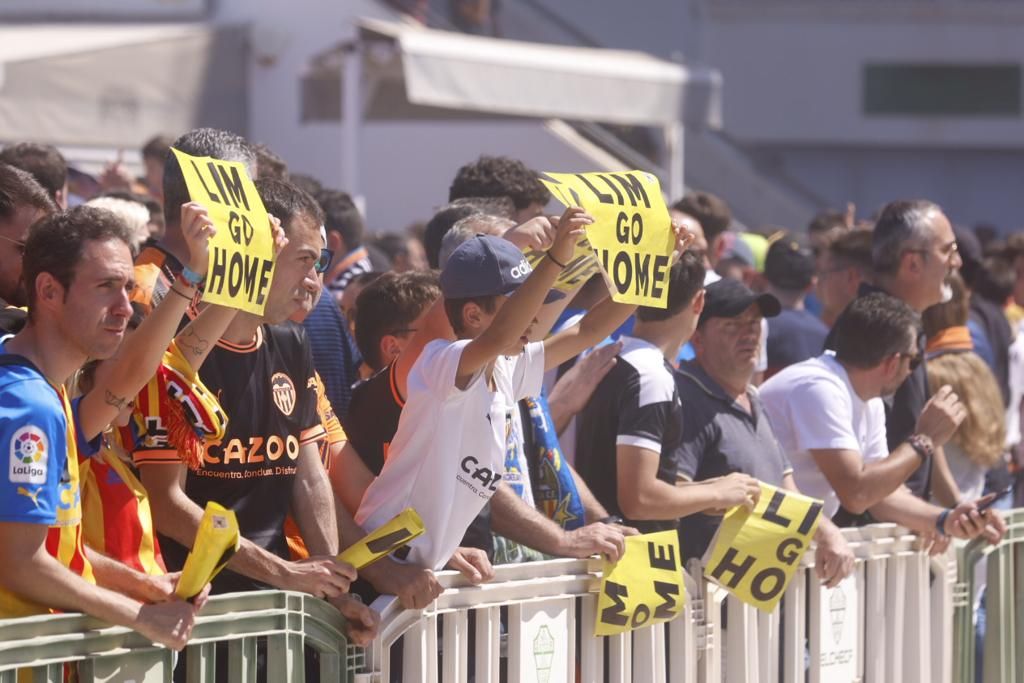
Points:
x=756 y=554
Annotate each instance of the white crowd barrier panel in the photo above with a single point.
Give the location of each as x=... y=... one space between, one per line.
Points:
x=892 y=620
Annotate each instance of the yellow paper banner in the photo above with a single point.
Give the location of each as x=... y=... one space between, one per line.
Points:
x=404 y=527
x=755 y=554
x=242 y=252
x=644 y=587
x=631 y=234
x=216 y=542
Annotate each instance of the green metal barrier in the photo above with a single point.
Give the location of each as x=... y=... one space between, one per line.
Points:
x=43 y=645
x=1003 y=656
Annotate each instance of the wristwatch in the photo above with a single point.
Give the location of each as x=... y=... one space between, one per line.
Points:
x=922 y=445
x=611 y=519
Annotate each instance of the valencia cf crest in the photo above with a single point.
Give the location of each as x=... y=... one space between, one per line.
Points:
x=283 y=391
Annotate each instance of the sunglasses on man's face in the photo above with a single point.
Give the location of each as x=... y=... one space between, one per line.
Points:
x=915 y=358
x=324 y=262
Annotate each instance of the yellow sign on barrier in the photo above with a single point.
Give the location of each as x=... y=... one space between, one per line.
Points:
x=644 y=587
x=242 y=252
x=216 y=542
x=755 y=554
x=632 y=232
x=404 y=527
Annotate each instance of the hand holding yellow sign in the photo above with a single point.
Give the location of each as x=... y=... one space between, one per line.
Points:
x=645 y=587
x=404 y=527
x=632 y=232
x=241 y=263
x=216 y=542
x=755 y=554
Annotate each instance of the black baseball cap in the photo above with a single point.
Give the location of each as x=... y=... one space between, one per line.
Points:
x=789 y=263
x=486 y=266
x=727 y=298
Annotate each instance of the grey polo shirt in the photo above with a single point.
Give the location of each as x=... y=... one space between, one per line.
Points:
x=720 y=437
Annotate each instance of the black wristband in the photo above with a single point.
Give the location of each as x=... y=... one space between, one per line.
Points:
x=555 y=261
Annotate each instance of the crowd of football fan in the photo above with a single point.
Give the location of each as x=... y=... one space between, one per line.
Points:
x=874 y=365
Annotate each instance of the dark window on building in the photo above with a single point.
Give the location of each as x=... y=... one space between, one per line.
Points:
x=942 y=90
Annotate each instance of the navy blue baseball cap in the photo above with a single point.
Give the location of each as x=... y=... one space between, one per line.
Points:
x=486 y=266
x=727 y=298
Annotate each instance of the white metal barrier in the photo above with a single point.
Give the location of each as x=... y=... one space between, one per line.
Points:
x=892 y=620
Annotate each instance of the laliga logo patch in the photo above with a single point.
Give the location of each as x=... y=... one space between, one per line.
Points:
x=522 y=270
x=283 y=391
x=29 y=454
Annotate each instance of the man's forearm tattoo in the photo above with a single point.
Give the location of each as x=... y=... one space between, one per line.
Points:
x=116 y=401
x=194 y=343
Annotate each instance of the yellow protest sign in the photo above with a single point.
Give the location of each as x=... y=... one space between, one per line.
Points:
x=644 y=587
x=402 y=528
x=242 y=252
x=578 y=270
x=632 y=232
x=755 y=554
x=216 y=542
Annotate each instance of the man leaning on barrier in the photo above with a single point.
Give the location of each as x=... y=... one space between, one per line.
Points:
x=78 y=272
x=830 y=420
x=725 y=429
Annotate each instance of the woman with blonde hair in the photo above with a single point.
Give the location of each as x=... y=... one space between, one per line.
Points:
x=979 y=442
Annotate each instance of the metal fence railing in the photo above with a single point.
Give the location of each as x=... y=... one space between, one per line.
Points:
x=902 y=616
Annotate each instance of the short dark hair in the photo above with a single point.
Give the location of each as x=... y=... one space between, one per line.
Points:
x=438 y=226
x=284 y=201
x=157 y=148
x=453 y=309
x=306 y=183
x=269 y=164
x=499 y=177
x=996 y=280
x=42 y=162
x=685 y=279
x=390 y=304
x=828 y=219
x=201 y=142
x=901 y=223
x=851 y=249
x=709 y=210
x=55 y=244
x=393 y=245
x=874 y=327
x=18 y=189
x=342 y=216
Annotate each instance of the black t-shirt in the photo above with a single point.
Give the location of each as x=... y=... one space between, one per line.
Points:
x=268 y=391
x=12 y=318
x=636 y=404
x=793 y=337
x=372 y=418
x=903 y=408
x=371 y=423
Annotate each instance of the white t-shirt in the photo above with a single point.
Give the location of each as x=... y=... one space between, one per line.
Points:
x=812 y=405
x=448 y=454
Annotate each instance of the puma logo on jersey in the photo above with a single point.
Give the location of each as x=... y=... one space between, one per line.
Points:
x=22 y=491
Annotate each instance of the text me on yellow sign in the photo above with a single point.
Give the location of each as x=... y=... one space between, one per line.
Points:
x=242 y=252
x=644 y=587
x=755 y=554
x=632 y=231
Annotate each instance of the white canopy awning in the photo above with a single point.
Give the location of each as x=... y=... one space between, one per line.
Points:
x=402 y=70
x=119 y=84
x=459 y=73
